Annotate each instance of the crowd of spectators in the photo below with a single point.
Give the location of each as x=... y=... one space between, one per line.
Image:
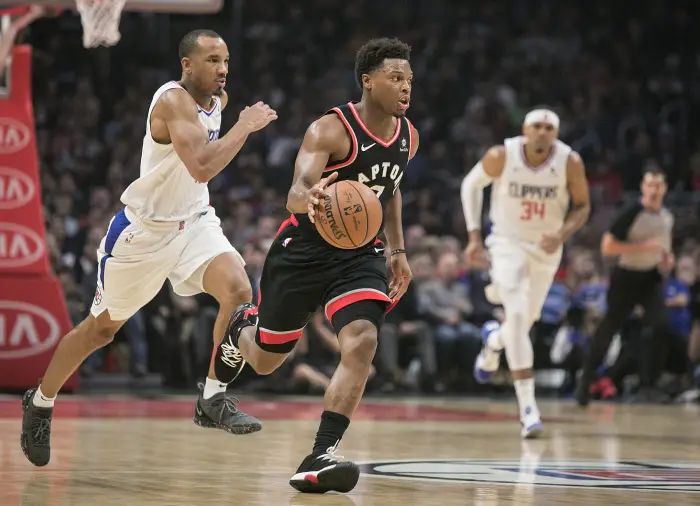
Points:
x=624 y=79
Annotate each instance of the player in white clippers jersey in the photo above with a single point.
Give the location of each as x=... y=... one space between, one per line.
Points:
x=539 y=198
x=167 y=230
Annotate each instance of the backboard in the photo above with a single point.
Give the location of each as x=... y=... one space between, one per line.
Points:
x=182 y=6
x=11 y=8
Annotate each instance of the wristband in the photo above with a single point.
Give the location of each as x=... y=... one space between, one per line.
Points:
x=398 y=251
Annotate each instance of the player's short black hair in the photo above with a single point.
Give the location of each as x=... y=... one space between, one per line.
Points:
x=189 y=41
x=371 y=56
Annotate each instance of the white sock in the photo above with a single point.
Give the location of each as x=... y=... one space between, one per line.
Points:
x=525 y=391
x=494 y=341
x=41 y=401
x=213 y=387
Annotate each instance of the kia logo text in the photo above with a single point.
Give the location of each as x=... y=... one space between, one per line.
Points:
x=14 y=136
x=19 y=246
x=16 y=188
x=26 y=330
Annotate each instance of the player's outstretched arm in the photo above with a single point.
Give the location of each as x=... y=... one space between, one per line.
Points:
x=176 y=111
x=325 y=137
x=490 y=167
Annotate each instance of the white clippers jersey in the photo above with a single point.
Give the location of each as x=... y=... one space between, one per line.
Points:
x=527 y=201
x=165 y=191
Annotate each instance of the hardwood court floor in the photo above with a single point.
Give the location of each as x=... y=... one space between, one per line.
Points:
x=128 y=452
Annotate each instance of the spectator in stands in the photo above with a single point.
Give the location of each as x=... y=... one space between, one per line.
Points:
x=405 y=324
x=678 y=300
x=444 y=301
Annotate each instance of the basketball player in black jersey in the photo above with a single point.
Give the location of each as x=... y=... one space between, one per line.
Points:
x=370 y=142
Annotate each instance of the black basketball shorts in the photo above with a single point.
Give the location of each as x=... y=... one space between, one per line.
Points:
x=302 y=273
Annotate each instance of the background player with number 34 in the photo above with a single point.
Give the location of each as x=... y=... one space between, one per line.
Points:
x=539 y=199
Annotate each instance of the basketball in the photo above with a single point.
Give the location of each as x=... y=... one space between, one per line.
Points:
x=350 y=217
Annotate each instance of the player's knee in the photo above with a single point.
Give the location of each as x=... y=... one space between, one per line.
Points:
x=265 y=363
x=358 y=342
x=264 y=367
x=99 y=331
x=516 y=304
x=234 y=295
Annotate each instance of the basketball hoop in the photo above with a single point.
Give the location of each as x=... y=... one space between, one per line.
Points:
x=100 y=19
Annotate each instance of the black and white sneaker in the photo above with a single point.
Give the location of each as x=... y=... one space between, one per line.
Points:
x=245 y=315
x=36 y=430
x=221 y=412
x=321 y=473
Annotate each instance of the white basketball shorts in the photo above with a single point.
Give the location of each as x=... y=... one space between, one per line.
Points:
x=137 y=256
x=521 y=265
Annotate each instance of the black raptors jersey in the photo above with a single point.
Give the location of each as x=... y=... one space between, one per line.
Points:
x=372 y=161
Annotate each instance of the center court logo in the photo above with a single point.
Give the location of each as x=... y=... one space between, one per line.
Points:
x=16 y=188
x=25 y=330
x=627 y=475
x=19 y=246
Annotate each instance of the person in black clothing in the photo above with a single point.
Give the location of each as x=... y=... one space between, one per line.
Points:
x=641 y=237
x=370 y=141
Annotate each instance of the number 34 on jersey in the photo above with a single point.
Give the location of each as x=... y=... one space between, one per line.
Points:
x=533 y=199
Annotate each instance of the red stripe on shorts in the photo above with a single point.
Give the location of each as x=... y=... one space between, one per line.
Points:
x=392 y=305
x=274 y=337
x=345 y=300
x=292 y=220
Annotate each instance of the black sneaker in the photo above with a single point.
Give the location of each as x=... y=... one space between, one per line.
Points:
x=321 y=473
x=220 y=412
x=245 y=315
x=36 y=430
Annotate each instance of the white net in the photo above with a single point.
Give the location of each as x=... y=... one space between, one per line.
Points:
x=100 y=19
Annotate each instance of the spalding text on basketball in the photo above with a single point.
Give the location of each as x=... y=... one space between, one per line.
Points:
x=335 y=229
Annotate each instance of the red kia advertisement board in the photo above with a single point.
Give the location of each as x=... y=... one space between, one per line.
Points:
x=33 y=315
x=33 y=318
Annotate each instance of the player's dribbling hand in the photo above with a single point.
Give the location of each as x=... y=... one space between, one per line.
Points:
x=257 y=116
x=316 y=193
x=550 y=243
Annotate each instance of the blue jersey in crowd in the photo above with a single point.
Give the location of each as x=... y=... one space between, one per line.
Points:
x=591 y=296
x=679 y=318
x=556 y=304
